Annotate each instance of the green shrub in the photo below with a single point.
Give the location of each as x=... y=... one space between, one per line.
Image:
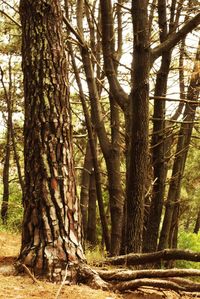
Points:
x=189 y=241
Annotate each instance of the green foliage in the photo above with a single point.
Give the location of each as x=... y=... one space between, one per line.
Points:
x=15 y=210
x=94 y=254
x=189 y=241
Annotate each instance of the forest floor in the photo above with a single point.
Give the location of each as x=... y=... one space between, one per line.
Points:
x=23 y=287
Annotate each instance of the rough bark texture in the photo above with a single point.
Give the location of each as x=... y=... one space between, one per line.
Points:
x=137 y=173
x=51 y=224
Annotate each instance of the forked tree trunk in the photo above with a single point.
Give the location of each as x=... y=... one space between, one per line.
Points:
x=183 y=144
x=51 y=224
x=6 y=166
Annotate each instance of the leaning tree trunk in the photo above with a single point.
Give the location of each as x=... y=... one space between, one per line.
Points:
x=51 y=224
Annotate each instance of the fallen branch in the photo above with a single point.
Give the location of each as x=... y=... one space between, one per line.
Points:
x=124 y=275
x=62 y=284
x=157 y=283
x=26 y=269
x=144 y=258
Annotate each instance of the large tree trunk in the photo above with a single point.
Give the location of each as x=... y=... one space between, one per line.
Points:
x=51 y=225
x=137 y=172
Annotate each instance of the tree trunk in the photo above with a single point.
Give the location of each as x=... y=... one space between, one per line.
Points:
x=137 y=172
x=116 y=195
x=185 y=134
x=161 y=143
x=91 y=224
x=197 y=224
x=8 y=96
x=85 y=183
x=158 y=158
x=17 y=160
x=94 y=155
x=51 y=225
x=4 y=205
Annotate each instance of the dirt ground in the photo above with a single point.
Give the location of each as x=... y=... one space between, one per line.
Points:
x=23 y=287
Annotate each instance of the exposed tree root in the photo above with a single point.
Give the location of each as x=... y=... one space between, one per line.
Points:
x=124 y=275
x=91 y=277
x=123 y=280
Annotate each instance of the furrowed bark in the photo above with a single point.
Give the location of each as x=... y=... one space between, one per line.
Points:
x=51 y=225
x=138 y=154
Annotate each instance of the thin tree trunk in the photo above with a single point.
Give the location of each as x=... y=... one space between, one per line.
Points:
x=110 y=149
x=94 y=155
x=8 y=97
x=85 y=183
x=91 y=225
x=4 y=205
x=158 y=158
x=180 y=156
x=161 y=142
x=17 y=160
x=197 y=223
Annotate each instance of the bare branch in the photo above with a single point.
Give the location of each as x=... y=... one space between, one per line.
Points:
x=10 y=18
x=175 y=37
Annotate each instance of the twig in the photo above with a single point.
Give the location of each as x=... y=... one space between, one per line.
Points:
x=62 y=283
x=30 y=274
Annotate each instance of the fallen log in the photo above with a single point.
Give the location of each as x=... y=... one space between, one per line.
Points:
x=125 y=275
x=145 y=258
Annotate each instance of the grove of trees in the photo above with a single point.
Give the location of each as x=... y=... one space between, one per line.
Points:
x=99 y=127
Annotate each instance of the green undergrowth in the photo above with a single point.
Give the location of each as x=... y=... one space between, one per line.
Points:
x=94 y=253
x=189 y=241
